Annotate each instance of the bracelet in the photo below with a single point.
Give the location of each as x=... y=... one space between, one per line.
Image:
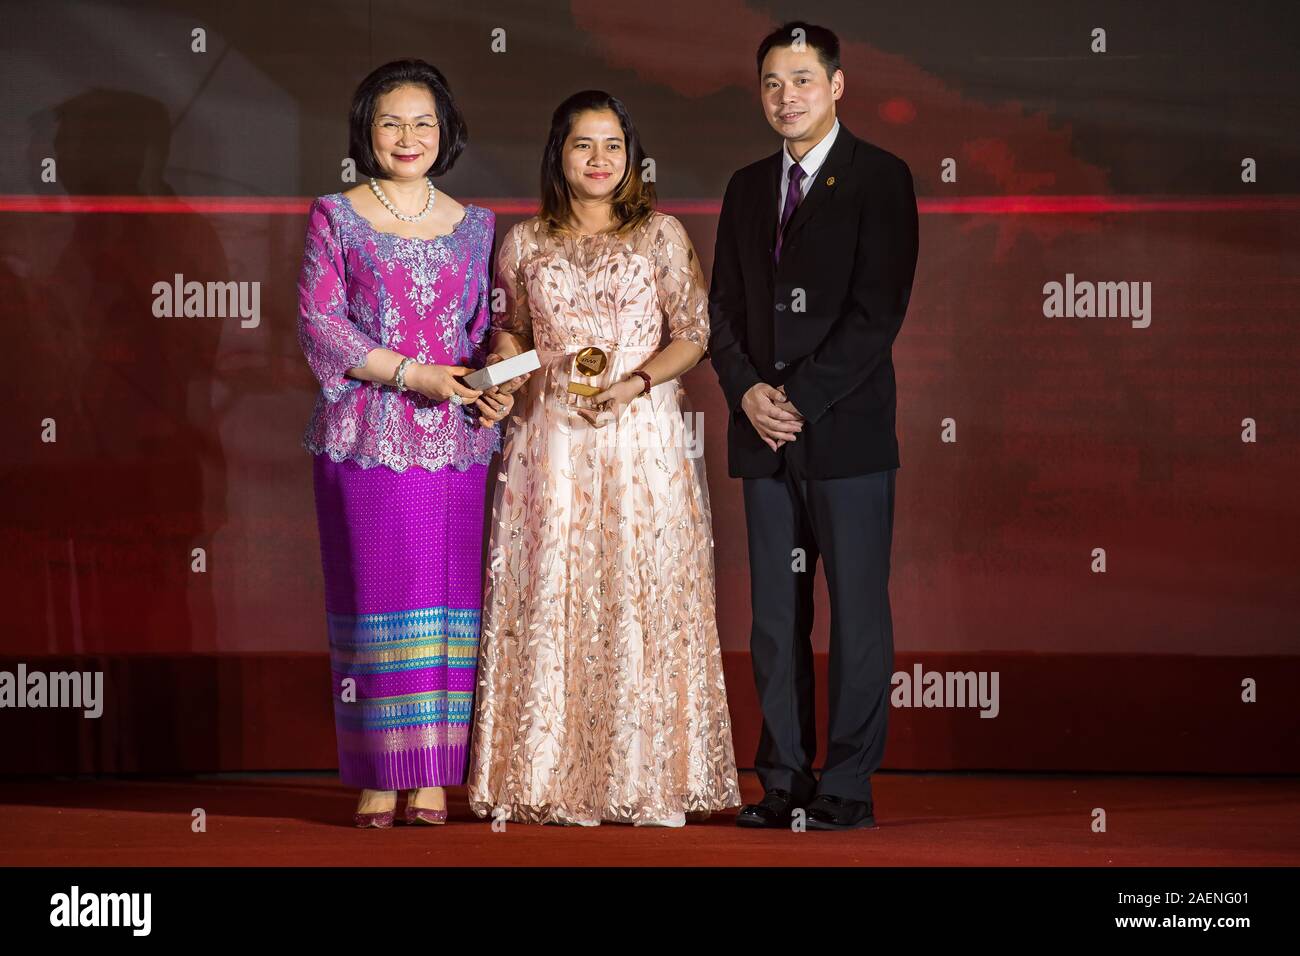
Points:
x=645 y=378
x=399 y=376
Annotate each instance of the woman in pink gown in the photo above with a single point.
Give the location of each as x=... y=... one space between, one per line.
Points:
x=600 y=690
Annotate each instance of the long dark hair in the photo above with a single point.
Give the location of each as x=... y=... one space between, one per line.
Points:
x=453 y=134
x=633 y=199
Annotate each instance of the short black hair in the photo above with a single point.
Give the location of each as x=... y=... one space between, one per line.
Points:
x=826 y=43
x=453 y=134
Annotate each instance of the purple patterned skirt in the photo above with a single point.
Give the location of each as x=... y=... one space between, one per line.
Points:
x=401 y=555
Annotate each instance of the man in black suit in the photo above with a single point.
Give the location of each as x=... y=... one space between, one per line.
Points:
x=812 y=272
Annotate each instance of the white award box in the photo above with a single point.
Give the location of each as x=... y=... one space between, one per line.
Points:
x=503 y=371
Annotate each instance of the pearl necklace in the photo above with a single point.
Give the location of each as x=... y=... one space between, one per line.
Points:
x=379 y=194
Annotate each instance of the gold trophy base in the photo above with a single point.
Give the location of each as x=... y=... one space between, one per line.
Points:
x=590 y=362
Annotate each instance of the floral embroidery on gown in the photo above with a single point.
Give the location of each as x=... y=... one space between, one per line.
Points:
x=600 y=691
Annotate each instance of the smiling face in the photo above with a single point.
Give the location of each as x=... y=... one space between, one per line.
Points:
x=594 y=156
x=405 y=152
x=798 y=97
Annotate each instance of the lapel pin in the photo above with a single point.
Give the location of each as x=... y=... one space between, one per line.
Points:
x=830 y=181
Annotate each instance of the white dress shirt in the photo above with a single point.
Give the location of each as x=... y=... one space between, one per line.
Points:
x=811 y=162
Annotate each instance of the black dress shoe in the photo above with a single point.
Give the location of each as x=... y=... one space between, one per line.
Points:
x=774 y=810
x=827 y=812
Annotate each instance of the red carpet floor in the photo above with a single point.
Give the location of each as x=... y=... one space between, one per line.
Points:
x=925 y=819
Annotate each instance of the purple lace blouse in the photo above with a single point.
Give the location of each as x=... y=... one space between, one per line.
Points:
x=361 y=289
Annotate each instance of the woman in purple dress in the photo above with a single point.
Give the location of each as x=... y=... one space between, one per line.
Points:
x=393 y=306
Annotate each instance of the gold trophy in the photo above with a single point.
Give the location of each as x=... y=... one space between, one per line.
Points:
x=589 y=364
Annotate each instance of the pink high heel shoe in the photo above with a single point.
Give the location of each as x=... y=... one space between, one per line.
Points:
x=425 y=815
x=381 y=820
x=417 y=814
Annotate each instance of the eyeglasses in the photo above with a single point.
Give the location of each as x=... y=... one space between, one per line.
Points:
x=390 y=130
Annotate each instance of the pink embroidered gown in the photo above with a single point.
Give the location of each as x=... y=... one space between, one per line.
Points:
x=600 y=690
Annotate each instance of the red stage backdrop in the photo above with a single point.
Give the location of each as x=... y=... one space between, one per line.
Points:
x=1097 y=513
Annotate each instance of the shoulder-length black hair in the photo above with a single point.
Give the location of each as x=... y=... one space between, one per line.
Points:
x=453 y=134
x=633 y=199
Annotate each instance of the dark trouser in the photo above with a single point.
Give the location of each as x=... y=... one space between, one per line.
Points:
x=849 y=523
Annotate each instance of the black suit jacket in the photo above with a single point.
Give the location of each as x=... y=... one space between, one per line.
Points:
x=823 y=322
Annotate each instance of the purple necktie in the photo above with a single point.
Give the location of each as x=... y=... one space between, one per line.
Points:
x=793 y=194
